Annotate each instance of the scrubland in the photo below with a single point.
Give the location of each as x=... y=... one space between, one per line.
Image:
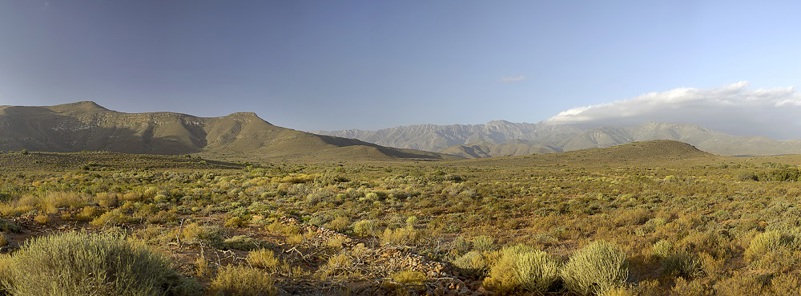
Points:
x=644 y=221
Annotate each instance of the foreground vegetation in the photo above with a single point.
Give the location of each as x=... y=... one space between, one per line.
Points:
x=601 y=222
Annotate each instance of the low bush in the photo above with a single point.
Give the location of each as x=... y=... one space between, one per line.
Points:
x=79 y=263
x=5 y=267
x=595 y=269
x=674 y=262
x=405 y=236
x=8 y=226
x=241 y=242
x=365 y=228
x=409 y=277
x=240 y=280
x=263 y=258
x=764 y=243
x=782 y=174
x=483 y=243
x=522 y=268
x=472 y=264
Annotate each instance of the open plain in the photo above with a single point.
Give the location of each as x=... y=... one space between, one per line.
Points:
x=647 y=218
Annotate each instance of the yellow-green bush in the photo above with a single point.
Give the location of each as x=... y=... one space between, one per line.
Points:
x=409 y=277
x=472 y=263
x=522 y=268
x=618 y=291
x=194 y=233
x=111 y=218
x=676 y=262
x=400 y=237
x=5 y=267
x=79 y=263
x=263 y=258
x=764 y=243
x=483 y=243
x=595 y=268
x=337 y=264
x=241 y=281
x=241 y=242
x=235 y=222
x=339 y=223
x=365 y=228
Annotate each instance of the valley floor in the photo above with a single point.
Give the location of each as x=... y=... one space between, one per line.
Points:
x=606 y=221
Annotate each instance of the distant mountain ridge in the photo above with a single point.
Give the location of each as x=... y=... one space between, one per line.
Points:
x=87 y=126
x=503 y=138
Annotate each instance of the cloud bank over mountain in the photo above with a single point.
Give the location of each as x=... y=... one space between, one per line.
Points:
x=733 y=109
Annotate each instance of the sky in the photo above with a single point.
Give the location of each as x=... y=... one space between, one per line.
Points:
x=330 y=65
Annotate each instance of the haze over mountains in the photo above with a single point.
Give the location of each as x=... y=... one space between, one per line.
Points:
x=503 y=138
x=86 y=126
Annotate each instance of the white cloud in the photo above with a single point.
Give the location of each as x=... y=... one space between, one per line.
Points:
x=513 y=79
x=733 y=109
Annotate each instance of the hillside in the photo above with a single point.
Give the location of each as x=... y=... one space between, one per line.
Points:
x=654 y=150
x=86 y=126
x=502 y=138
x=647 y=153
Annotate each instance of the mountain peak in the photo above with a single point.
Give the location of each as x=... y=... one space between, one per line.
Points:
x=245 y=116
x=82 y=106
x=498 y=122
x=86 y=105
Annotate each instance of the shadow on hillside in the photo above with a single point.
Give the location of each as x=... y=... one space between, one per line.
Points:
x=392 y=152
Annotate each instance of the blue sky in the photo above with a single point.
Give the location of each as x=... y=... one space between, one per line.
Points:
x=329 y=65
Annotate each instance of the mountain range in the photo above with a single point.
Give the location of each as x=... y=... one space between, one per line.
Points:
x=503 y=138
x=87 y=126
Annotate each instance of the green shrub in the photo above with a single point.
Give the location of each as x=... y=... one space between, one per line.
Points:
x=241 y=242
x=194 y=233
x=409 y=277
x=595 y=268
x=365 y=228
x=472 y=264
x=337 y=264
x=5 y=268
x=772 y=250
x=483 y=243
x=235 y=222
x=675 y=262
x=263 y=258
x=240 y=280
x=400 y=237
x=111 y=218
x=749 y=176
x=536 y=271
x=781 y=174
x=522 y=268
x=8 y=226
x=764 y=243
x=339 y=223
x=79 y=263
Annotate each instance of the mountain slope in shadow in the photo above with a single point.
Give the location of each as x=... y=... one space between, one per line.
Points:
x=86 y=126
